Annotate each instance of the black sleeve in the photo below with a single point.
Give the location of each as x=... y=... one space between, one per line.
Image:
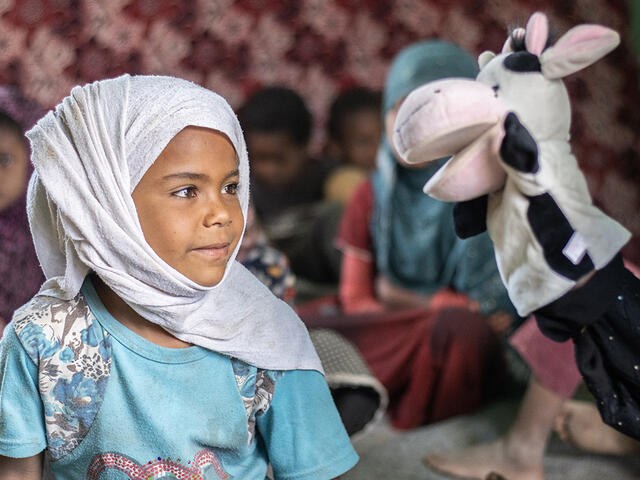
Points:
x=603 y=319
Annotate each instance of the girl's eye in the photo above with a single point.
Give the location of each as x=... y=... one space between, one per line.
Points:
x=231 y=188
x=187 y=192
x=5 y=160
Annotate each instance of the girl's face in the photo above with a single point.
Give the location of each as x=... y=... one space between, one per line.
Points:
x=188 y=205
x=13 y=168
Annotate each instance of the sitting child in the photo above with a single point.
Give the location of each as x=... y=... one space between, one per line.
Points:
x=354 y=130
x=288 y=184
x=150 y=352
x=19 y=268
x=355 y=127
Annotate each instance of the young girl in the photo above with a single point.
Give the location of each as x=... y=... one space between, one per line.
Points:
x=405 y=269
x=19 y=269
x=149 y=352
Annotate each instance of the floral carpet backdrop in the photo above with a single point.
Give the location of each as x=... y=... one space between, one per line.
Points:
x=320 y=47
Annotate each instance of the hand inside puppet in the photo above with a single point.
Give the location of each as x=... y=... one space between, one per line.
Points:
x=512 y=170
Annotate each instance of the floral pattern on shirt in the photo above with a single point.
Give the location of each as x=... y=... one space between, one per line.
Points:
x=73 y=356
x=256 y=387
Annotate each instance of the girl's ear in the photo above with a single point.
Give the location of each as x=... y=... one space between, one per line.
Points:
x=484 y=58
x=577 y=49
x=537 y=33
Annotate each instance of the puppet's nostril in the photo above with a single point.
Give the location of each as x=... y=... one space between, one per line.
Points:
x=437 y=91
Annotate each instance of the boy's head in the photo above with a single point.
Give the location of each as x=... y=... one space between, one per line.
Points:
x=355 y=127
x=277 y=127
x=13 y=161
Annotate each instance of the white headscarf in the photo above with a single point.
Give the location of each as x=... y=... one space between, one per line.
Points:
x=89 y=155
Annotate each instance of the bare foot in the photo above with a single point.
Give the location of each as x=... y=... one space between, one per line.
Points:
x=579 y=424
x=480 y=461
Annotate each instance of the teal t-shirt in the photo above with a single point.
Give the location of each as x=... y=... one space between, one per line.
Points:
x=109 y=405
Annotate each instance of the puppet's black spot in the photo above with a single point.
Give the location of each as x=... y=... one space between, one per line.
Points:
x=522 y=62
x=437 y=91
x=553 y=231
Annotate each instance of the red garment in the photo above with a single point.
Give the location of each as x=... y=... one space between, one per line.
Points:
x=434 y=361
x=552 y=363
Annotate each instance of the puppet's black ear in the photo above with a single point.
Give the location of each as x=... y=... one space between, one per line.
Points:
x=519 y=149
x=470 y=217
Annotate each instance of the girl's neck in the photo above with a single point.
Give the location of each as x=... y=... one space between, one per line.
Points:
x=128 y=317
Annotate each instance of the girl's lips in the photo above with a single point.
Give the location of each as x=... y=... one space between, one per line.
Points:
x=220 y=250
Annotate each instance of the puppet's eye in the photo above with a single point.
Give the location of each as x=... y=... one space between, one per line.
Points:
x=495 y=89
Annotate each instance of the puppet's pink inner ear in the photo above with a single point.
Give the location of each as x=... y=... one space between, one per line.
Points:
x=577 y=49
x=537 y=33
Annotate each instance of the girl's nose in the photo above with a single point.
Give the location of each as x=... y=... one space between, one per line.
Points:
x=217 y=215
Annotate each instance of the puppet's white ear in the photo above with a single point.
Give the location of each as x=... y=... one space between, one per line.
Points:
x=506 y=48
x=485 y=57
x=537 y=33
x=577 y=49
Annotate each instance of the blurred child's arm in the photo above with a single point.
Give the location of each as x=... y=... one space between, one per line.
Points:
x=29 y=468
x=357 y=284
x=357 y=275
x=398 y=297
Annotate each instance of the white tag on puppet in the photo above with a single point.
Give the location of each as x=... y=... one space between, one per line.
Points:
x=575 y=248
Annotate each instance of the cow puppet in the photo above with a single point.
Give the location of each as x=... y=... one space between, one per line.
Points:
x=508 y=132
x=512 y=173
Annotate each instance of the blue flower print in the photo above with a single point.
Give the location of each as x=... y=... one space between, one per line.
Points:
x=66 y=355
x=36 y=342
x=78 y=396
x=90 y=336
x=55 y=442
x=104 y=349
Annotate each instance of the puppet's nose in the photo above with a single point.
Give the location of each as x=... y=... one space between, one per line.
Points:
x=440 y=118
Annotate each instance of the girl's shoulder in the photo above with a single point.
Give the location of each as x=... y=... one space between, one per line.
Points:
x=72 y=353
x=46 y=326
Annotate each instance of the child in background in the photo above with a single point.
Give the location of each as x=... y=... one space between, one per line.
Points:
x=288 y=185
x=19 y=268
x=355 y=129
x=420 y=286
x=277 y=126
x=149 y=351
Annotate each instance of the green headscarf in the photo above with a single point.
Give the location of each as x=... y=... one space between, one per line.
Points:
x=414 y=238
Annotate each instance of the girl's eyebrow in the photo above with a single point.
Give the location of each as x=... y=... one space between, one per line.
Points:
x=232 y=173
x=186 y=176
x=197 y=176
